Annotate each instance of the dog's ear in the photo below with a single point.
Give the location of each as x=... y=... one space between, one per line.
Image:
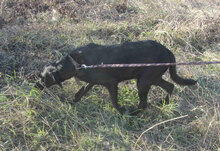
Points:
x=57 y=79
x=73 y=61
x=77 y=56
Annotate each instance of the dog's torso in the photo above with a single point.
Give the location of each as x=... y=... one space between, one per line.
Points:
x=126 y=53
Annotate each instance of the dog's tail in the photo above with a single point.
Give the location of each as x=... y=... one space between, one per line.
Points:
x=174 y=75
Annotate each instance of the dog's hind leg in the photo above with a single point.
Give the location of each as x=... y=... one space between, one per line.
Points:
x=82 y=92
x=167 y=86
x=144 y=83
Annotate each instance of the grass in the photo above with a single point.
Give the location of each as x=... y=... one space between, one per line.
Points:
x=36 y=34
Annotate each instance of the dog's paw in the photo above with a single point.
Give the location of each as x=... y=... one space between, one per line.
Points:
x=76 y=100
x=134 y=112
x=129 y=111
x=122 y=110
x=79 y=94
x=164 y=101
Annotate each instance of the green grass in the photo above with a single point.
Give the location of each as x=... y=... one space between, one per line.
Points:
x=48 y=120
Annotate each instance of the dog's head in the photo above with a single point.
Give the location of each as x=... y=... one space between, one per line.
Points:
x=58 y=72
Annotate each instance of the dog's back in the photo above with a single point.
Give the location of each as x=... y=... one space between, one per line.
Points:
x=128 y=52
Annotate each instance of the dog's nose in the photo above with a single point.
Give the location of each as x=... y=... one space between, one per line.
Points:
x=39 y=86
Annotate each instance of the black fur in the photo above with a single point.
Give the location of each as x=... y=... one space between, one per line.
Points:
x=126 y=53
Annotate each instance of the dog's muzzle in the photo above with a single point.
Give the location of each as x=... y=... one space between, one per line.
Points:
x=39 y=86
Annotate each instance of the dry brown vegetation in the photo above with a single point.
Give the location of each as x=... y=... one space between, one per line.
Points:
x=37 y=32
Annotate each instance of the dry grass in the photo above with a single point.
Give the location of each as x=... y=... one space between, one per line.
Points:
x=37 y=33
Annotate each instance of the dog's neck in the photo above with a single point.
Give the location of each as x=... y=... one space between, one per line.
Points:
x=67 y=68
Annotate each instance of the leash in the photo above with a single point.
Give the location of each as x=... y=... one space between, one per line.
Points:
x=83 y=66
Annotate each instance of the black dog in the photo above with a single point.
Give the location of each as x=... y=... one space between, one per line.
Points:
x=126 y=53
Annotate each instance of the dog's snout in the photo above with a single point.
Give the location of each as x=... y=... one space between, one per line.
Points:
x=38 y=85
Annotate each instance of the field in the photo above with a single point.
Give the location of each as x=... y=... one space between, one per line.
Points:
x=36 y=33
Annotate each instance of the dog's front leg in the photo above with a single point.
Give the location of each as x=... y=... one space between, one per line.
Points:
x=113 y=91
x=82 y=92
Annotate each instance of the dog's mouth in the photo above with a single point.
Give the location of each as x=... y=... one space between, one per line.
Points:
x=39 y=86
x=48 y=80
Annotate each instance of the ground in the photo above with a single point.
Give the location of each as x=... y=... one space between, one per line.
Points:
x=36 y=33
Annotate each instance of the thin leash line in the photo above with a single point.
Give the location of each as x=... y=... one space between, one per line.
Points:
x=83 y=66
